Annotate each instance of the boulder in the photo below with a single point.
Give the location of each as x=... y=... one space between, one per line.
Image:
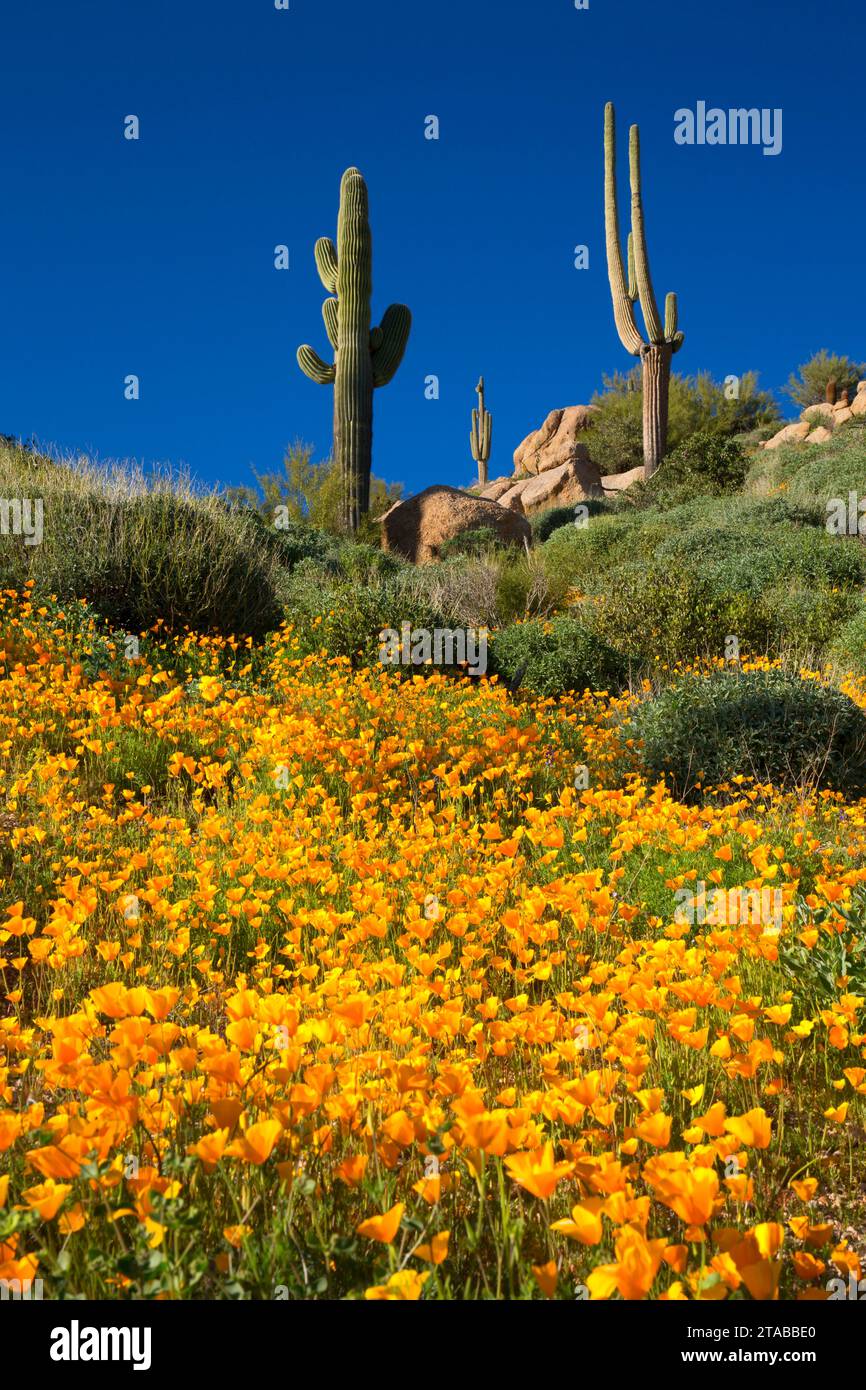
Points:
x=858 y=405
x=618 y=482
x=494 y=490
x=819 y=435
x=790 y=434
x=420 y=526
x=840 y=416
x=823 y=413
x=556 y=442
x=564 y=486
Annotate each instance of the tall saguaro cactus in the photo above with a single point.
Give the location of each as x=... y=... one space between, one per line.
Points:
x=664 y=339
x=481 y=434
x=363 y=358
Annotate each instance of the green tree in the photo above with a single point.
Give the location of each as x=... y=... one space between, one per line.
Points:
x=311 y=491
x=694 y=403
x=809 y=386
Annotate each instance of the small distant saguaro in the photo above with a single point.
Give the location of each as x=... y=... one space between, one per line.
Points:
x=364 y=358
x=481 y=434
x=664 y=338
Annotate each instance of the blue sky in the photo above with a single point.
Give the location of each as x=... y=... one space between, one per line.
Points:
x=156 y=257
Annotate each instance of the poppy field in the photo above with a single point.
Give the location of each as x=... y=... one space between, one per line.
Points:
x=320 y=983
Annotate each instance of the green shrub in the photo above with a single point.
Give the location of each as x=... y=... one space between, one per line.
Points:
x=704 y=731
x=545 y=523
x=705 y=464
x=696 y=403
x=848 y=651
x=475 y=542
x=140 y=550
x=811 y=475
x=552 y=658
x=661 y=614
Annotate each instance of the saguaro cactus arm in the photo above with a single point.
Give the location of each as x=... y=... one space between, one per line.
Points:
x=623 y=310
x=388 y=343
x=312 y=366
x=672 y=334
x=649 y=307
x=331 y=315
x=632 y=279
x=325 y=253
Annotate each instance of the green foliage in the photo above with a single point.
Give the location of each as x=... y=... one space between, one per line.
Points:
x=708 y=463
x=696 y=403
x=848 y=651
x=816 y=973
x=671 y=585
x=308 y=493
x=703 y=731
x=476 y=542
x=811 y=475
x=668 y=616
x=545 y=523
x=808 y=385
x=141 y=550
x=555 y=657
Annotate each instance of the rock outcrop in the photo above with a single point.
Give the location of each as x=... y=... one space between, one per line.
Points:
x=556 y=442
x=817 y=422
x=419 y=527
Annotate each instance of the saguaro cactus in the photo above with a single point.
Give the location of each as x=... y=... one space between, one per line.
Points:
x=363 y=359
x=664 y=339
x=481 y=434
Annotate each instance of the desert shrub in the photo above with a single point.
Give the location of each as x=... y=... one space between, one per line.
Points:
x=848 y=650
x=705 y=730
x=526 y=588
x=811 y=475
x=310 y=492
x=544 y=525
x=141 y=550
x=475 y=542
x=575 y=554
x=808 y=385
x=552 y=658
x=338 y=616
x=696 y=403
x=296 y=541
x=670 y=616
x=708 y=463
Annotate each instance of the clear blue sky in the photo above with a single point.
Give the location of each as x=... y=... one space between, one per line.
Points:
x=156 y=257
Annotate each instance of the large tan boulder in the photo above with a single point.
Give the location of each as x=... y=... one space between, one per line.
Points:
x=790 y=434
x=494 y=489
x=819 y=435
x=557 y=441
x=858 y=405
x=564 y=486
x=821 y=414
x=420 y=526
x=618 y=482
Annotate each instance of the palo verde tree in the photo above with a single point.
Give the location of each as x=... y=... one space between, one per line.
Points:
x=664 y=339
x=364 y=358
